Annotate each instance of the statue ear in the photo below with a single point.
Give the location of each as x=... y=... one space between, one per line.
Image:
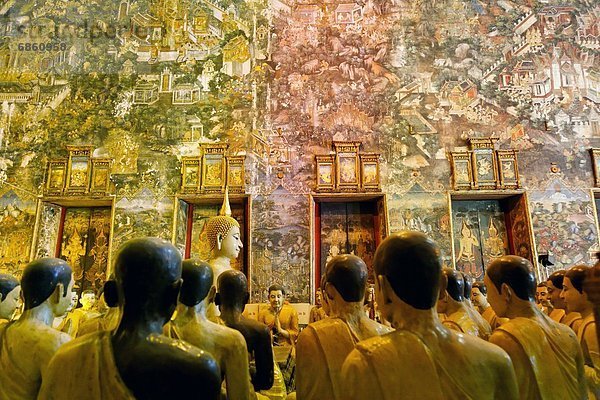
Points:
x=506 y=292
x=328 y=291
x=111 y=294
x=246 y=298
x=57 y=294
x=217 y=299
x=212 y=294
x=219 y=240
x=384 y=287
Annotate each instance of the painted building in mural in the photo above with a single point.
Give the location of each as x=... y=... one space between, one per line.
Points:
x=140 y=89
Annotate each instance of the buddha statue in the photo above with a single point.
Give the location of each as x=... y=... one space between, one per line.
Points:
x=559 y=312
x=482 y=324
x=231 y=298
x=479 y=299
x=28 y=344
x=452 y=304
x=224 y=239
x=10 y=291
x=281 y=318
x=192 y=325
x=577 y=301
x=317 y=312
x=323 y=346
x=545 y=354
x=421 y=359
x=136 y=360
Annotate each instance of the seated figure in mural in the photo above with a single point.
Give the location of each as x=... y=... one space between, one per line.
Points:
x=10 y=291
x=421 y=359
x=281 y=318
x=542 y=299
x=231 y=298
x=79 y=315
x=224 y=239
x=192 y=325
x=135 y=360
x=317 y=312
x=28 y=344
x=545 y=354
x=323 y=346
x=482 y=324
x=559 y=312
x=452 y=304
x=479 y=298
x=577 y=301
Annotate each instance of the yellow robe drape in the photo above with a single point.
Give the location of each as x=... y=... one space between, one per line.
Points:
x=85 y=369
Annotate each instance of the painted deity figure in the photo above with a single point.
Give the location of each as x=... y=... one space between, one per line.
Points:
x=224 y=238
x=466 y=254
x=494 y=243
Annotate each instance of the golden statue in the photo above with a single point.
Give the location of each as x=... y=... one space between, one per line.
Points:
x=28 y=344
x=10 y=290
x=559 y=313
x=281 y=318
x=324 y=345
x=546 y=355
x=421 y=359
x=224 y=238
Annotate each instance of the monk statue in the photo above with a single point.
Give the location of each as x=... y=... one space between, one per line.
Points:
x=545 y=354
x=317 y=312
x=108 y=315
x=421 y=359
x=452 y=304
x=482 y=324
x=79 y=315
x=231 y=298
x=28 y=344
x=281 y=318
x=224 y=239
x=192 y=325
x=559 y=312
x=10 y=292
x=577 y=300
x=323 y=346
x=479 y=299
x=541 y=298
x=135 y=360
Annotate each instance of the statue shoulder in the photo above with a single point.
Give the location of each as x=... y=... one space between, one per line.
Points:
x=372 y=345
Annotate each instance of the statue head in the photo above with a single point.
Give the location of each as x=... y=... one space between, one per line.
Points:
x=345 y=279
x=452 y=288
x=509 y=280
x=555 y=287
x=223 y=233
x=88 y=299
x=47 y=279
x=276 y=296
x=318 y=298
x=10 y=291
x=468 y=280
x=197 y=282
x=479 y=294
x=541 y=293
x=232 y=290
x=465 y=230
x=407 y=268
x=147 y=278
x=575 y=298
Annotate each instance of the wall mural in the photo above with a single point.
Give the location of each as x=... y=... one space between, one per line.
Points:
x=17 y=220
x=145 y=82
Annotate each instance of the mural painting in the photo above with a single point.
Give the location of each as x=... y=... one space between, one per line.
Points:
x=17 y=220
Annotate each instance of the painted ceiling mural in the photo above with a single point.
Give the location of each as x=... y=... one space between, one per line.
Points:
x=147 y=81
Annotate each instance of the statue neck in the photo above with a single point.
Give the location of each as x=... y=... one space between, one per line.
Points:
x=420 y=322
x=351 y=313
x=454 y=306
x=230 y=316
x=139 y=324
x=187 y=314
x=587 y=311
x=220 y=260
x=521 y=308
x=41 y=314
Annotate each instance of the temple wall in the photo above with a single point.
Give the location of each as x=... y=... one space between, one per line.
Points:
x=279 y=81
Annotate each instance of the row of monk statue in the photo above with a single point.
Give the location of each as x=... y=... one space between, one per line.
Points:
x=176 y=328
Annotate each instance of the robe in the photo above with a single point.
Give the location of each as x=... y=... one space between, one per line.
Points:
x=490 y=316
x=546 y=356
x=321 y=350
x=316 y=314
x=591 y=355
x=446 y=366
x=85 y=369
x=461 y=321
x=288 y=317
